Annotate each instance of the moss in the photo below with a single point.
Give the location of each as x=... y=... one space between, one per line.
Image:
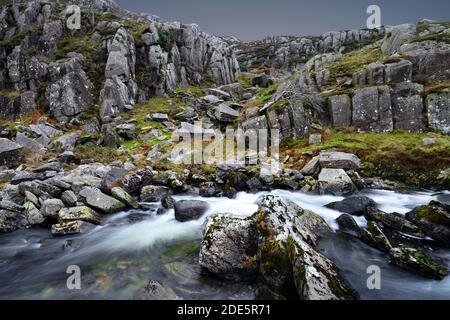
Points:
x=265 y=95
x=196 y=92
x=246 y=82
x=353 y=62
x=275 y=255
x=165 y=38
x=433 y=214
x=10 y=94
x=395 y=156
x=81 y=43
x=425 y=261
x=436 y=87
x=439 y=36
x=103 y=155
x=389 y=60
x=180 y=250
x=15 y=40
x=136 y=29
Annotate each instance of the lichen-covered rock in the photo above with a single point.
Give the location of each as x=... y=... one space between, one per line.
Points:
x=34 y=216
x=312 y=167
x=153 y=193
x=70 y=228
x=393 y=221
x=124 y=197
x=434 y=220
x=10 y=153
x=133 y=182
x=398 y=72
x=339 y=160
x=11 y=221
x=407 y=107
x=79 y=214
x=229 y=246
x=430 y=59
x=286 y=251
x=438 y=109
x=372 y=109
x=17 y=107
x=94 y=198
x=70 y=96
x=374 y=237
x=395 y=36
x=417 y=261
x=341 y=110
x=51 y=207
x=335 y=181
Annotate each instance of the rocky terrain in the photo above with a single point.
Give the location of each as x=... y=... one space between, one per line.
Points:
x=87 y=117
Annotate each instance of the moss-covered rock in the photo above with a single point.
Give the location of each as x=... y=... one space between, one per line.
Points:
x=434 y=219
x=417 y=261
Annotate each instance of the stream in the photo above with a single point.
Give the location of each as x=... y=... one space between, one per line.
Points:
x=131 y=248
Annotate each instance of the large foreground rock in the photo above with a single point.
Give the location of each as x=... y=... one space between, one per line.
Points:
x=282 y=250
x=229 y=246
x=287 y=252
x=9 y=152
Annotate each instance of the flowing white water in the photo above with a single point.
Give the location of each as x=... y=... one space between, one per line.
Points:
x=36 y=259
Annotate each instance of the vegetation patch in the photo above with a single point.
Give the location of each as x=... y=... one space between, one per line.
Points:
x=436 y=87
x=103 y=155
x=395 y=156
x=353 y=62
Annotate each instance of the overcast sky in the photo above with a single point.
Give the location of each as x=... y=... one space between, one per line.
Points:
x=256 y=19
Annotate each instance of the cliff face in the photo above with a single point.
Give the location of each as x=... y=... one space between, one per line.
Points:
x=398 y=82
x=116 y=59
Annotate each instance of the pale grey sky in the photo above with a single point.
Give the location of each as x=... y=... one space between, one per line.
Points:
x=256 y=19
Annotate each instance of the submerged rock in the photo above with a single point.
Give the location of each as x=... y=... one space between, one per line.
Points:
x=155 y=290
